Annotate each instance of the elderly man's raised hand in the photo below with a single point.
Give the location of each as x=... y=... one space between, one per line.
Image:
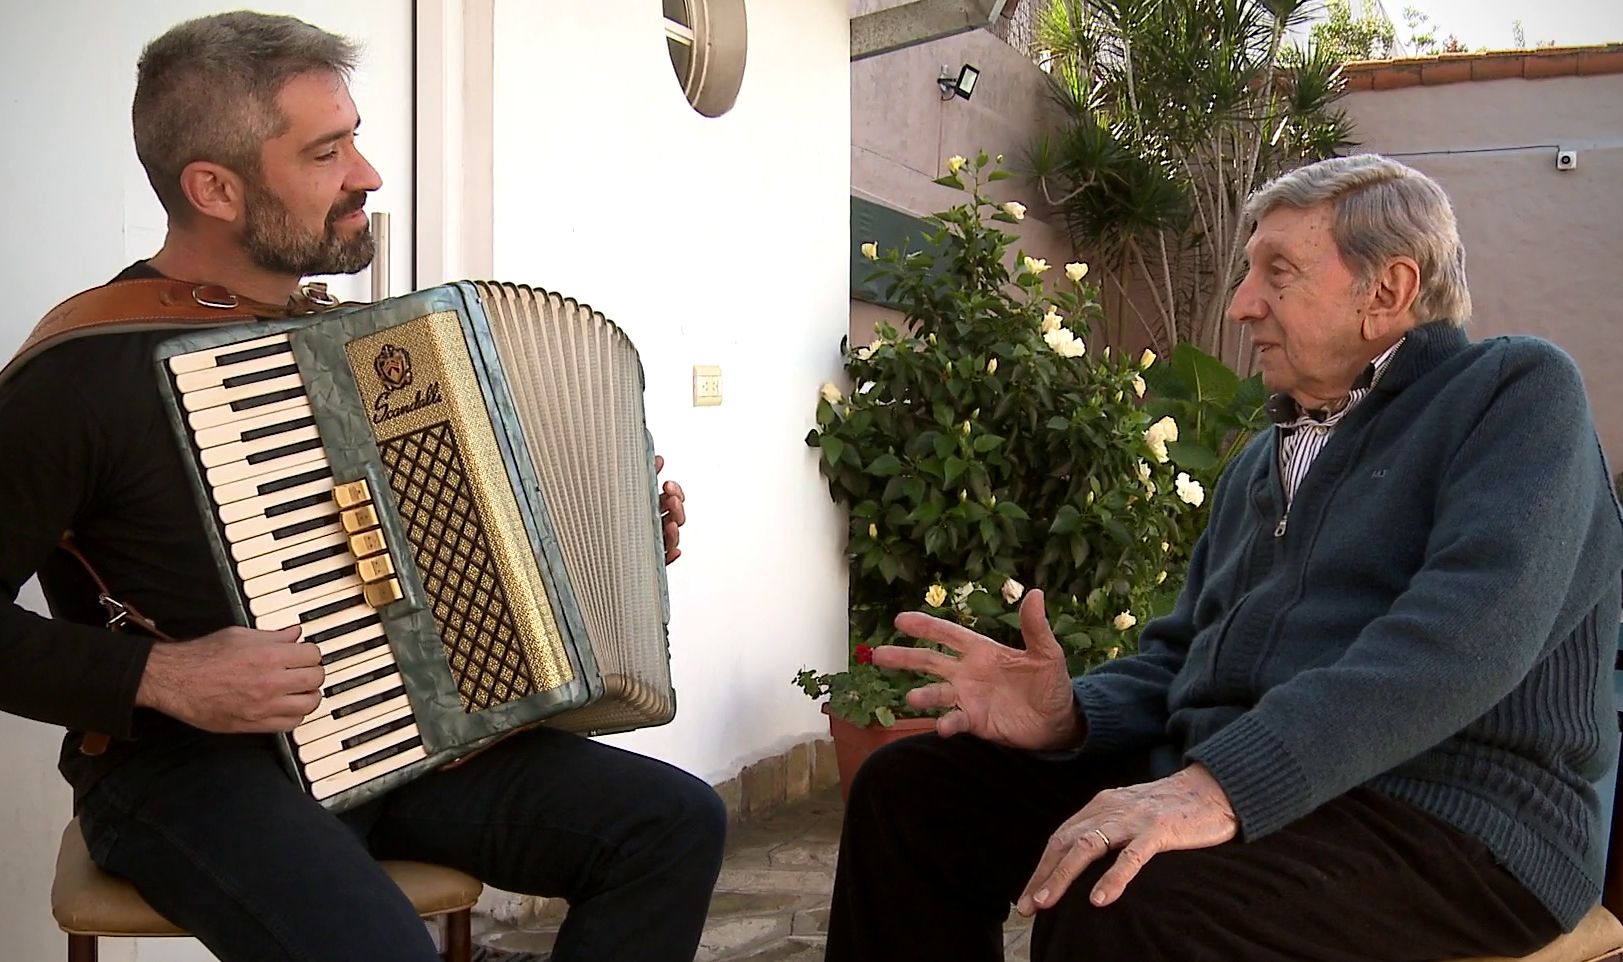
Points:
x=1017 y=698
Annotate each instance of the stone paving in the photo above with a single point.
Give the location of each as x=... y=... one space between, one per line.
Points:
x=771 y=902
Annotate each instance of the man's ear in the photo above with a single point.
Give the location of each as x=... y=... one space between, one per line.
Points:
x=213 y=191
x=1391 y=295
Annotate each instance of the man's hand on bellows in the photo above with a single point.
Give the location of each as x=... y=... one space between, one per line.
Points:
x=1187 y=810
x=1017 y=698
x=672 y=513
x=234 y=680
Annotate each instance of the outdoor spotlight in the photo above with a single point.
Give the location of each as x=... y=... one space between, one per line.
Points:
x=963 y=86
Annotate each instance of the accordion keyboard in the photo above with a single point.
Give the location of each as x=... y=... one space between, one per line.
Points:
x=292 y=532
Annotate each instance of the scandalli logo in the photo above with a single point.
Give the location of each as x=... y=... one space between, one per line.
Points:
x=393 y=367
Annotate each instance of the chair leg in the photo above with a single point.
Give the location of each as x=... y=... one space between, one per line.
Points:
x=458 y=931
x=82 y=948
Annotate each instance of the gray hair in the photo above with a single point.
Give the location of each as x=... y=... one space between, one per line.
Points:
x=1382 y=209
x=207 y=89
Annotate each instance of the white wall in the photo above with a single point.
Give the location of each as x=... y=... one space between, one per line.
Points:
x=711 y=241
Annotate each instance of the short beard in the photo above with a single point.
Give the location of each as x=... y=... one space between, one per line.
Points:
x=274 y=242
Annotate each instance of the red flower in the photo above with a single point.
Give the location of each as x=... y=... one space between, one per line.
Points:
x=864 y=654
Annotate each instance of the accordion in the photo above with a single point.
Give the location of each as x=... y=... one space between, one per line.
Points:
x=453 y=493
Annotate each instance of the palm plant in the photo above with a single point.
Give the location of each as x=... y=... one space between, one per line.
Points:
x=1175 y=111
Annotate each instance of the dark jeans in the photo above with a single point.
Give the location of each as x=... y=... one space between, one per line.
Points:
x=941 y=835
x=221 y=841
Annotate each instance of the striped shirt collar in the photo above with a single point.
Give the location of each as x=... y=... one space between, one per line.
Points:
x=1365 y=383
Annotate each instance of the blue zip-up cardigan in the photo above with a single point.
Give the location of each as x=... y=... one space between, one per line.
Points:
x=1435 y=618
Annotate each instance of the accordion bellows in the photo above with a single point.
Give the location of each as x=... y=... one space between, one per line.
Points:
x=454 y=493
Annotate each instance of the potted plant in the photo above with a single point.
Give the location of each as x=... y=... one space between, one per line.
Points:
x=983 y=447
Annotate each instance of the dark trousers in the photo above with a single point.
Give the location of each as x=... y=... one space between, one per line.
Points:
x=941 y=836
x=221 y=841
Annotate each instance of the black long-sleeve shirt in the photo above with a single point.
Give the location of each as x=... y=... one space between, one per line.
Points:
x=85 y=446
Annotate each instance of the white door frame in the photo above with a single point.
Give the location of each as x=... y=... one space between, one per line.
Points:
x=455 y=140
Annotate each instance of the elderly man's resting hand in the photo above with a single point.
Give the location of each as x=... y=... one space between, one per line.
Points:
x=1023 y=699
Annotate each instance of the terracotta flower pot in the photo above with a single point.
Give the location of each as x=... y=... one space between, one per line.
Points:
x=853 y=744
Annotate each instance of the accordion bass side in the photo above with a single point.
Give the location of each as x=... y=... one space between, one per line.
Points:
x=453 y=493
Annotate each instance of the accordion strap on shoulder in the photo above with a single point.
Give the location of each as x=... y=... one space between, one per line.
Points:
x=154 y=304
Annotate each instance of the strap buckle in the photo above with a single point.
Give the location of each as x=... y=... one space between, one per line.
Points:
x=117 y=612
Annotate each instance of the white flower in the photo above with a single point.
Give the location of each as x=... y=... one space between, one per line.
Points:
x=936 y=596
x=1138 y=385
x=1149 y=488
x=1051 y=321
x=1012 y=590
x=1160 y=577
x=1124 y=621
x=1147 y=358
x=1015 y=209
x=1143 y=473
x=1113 y=652
x=1107 y=352
x=1163 y=430
x=873 y=531
x=991 y=366
x=1035 y=265
x=1076 y=271
x=956 y=163
x=870 y=250
x=1065 y=343
x=1190 y=491
x=866 y=387
x=965 y=428
x=963 y=591
x=1165 y=547
x=831 y=394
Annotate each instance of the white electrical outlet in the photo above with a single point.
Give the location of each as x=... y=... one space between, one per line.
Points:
x=706 y=385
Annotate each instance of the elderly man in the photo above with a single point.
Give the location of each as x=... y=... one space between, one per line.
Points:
x=1372 y=727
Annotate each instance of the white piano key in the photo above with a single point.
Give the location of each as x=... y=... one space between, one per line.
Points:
x=272 y=562
x=314 y=727
x=283 y=502
x=340 y=761
x=242 y=470
x=328 y=787
x=238 y=532
x=277 y=600
x=234 y=430
x=217 y=396
x=198 y=360
x=225 y=414
x=252 y=488
x=246 y=451
x=284 y=537
x=215 y=376
x=364 y=733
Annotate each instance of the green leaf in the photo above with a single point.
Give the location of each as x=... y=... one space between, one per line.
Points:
x=951 y=180
x=884 y=716
x=885 y=466
x=1057 y=423
x=934 y=540
x=986 y=442
x=998 y=175
x=1191 y=455
x=943 y=415
x=1009 y=509
x=813 y=438
x=833 y=447
x=926 y=512
x=889 y=568
x=954 y=467
x=1066 y=520
x=944 y=445
x=1214 y=384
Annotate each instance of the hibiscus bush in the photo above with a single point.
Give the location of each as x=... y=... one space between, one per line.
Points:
x=983 y=447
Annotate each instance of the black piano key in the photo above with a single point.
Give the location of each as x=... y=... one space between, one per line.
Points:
x=316 y=581
x=310 y=557
x=260 y=457
x=350 y=684
x=405 y=721
x=339 y=631
x=252 y=354
x=270 y=430
x=243 y=380
x=353 y=650
x=315 y=474
x=389 y=752
x=330 y=608
x=296 y=504
x=366 y=703
x=303 y=526
x=260 y=400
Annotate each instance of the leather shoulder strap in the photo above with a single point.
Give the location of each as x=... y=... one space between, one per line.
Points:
x=152 y=304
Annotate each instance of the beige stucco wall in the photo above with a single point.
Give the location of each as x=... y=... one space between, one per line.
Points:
x=1544 y=248
x=902 y=133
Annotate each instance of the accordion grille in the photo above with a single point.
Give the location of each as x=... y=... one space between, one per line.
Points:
x=580 y=408
x=444 y=526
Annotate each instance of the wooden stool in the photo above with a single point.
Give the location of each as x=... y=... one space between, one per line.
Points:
x=1598 y=938
x=89 y=903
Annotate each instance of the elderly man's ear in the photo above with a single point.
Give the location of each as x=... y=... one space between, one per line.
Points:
x=1391 y=299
